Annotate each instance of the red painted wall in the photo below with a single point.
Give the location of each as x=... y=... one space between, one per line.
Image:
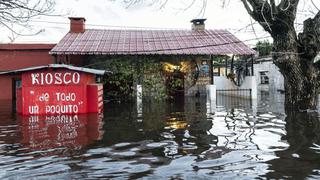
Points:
x=18 y=56
x=6 y=87
x=95 y=98
x=55 y=91
x=6 y=93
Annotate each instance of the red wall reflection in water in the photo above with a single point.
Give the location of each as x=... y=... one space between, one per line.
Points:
x=71 y=131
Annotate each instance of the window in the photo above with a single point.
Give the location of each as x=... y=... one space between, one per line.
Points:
x=264 y=79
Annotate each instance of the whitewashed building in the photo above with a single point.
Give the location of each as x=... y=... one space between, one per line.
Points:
x=268 y=76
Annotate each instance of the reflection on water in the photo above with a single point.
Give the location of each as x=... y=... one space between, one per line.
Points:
x=50 y=132
x=301 y=158
x=187 y=139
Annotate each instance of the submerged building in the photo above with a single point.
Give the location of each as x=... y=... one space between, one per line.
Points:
x=186 y=55
x=19 y=56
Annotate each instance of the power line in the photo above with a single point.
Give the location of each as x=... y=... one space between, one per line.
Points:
x=192 y=47
x=129 y=27
x=166 y=38
x=105 y=25
x=173 y=49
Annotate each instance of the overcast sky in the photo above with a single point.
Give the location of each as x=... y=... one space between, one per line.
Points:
x=116 y=14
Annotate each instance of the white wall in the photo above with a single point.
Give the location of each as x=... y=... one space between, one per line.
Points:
x=276 y=81
x=222 y=83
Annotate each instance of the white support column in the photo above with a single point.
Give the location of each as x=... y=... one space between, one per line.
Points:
x=211 y=92
x=253 y=86
x=254 y=108
x=211 y=98
x=139 y=100
x=211 y=107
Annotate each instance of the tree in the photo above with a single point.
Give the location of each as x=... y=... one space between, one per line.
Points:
x=264 y=48
x=20 y=12
x=293 y=52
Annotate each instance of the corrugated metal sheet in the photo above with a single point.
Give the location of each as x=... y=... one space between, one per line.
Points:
x=169 y=42
x=56 y=66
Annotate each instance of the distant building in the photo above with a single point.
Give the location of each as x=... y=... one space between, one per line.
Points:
x=18 y=56
x=268 y=75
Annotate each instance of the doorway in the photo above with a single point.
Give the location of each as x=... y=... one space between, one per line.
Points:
x=175 y=85
x=16 y=83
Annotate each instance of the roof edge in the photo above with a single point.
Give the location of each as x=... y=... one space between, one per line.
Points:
x=26 y=46
x=55 y=66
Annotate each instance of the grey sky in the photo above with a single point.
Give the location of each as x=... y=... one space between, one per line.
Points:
x=116 y=14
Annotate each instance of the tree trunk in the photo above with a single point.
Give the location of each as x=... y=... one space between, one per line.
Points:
x=300 y=94
x=300 y=75
x=292 y=53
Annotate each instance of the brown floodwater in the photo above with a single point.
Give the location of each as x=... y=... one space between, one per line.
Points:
x=186 y=139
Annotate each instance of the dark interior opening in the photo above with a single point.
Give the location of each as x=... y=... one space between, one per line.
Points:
x=16 y=83
x=175 y=85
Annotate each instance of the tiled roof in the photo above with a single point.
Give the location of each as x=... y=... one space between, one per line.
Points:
x=169 y=42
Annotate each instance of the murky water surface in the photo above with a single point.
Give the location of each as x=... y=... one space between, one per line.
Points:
x=185 y=140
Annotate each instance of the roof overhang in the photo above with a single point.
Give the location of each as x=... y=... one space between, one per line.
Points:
x=25 y=47
x=58 y=66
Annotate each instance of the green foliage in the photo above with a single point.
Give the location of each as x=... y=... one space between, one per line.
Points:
x=122 y=84
x=264 y=48
x=218 y=59
x=175 y=85
x=153 y=82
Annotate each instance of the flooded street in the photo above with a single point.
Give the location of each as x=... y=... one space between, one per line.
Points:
x=243 y=139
